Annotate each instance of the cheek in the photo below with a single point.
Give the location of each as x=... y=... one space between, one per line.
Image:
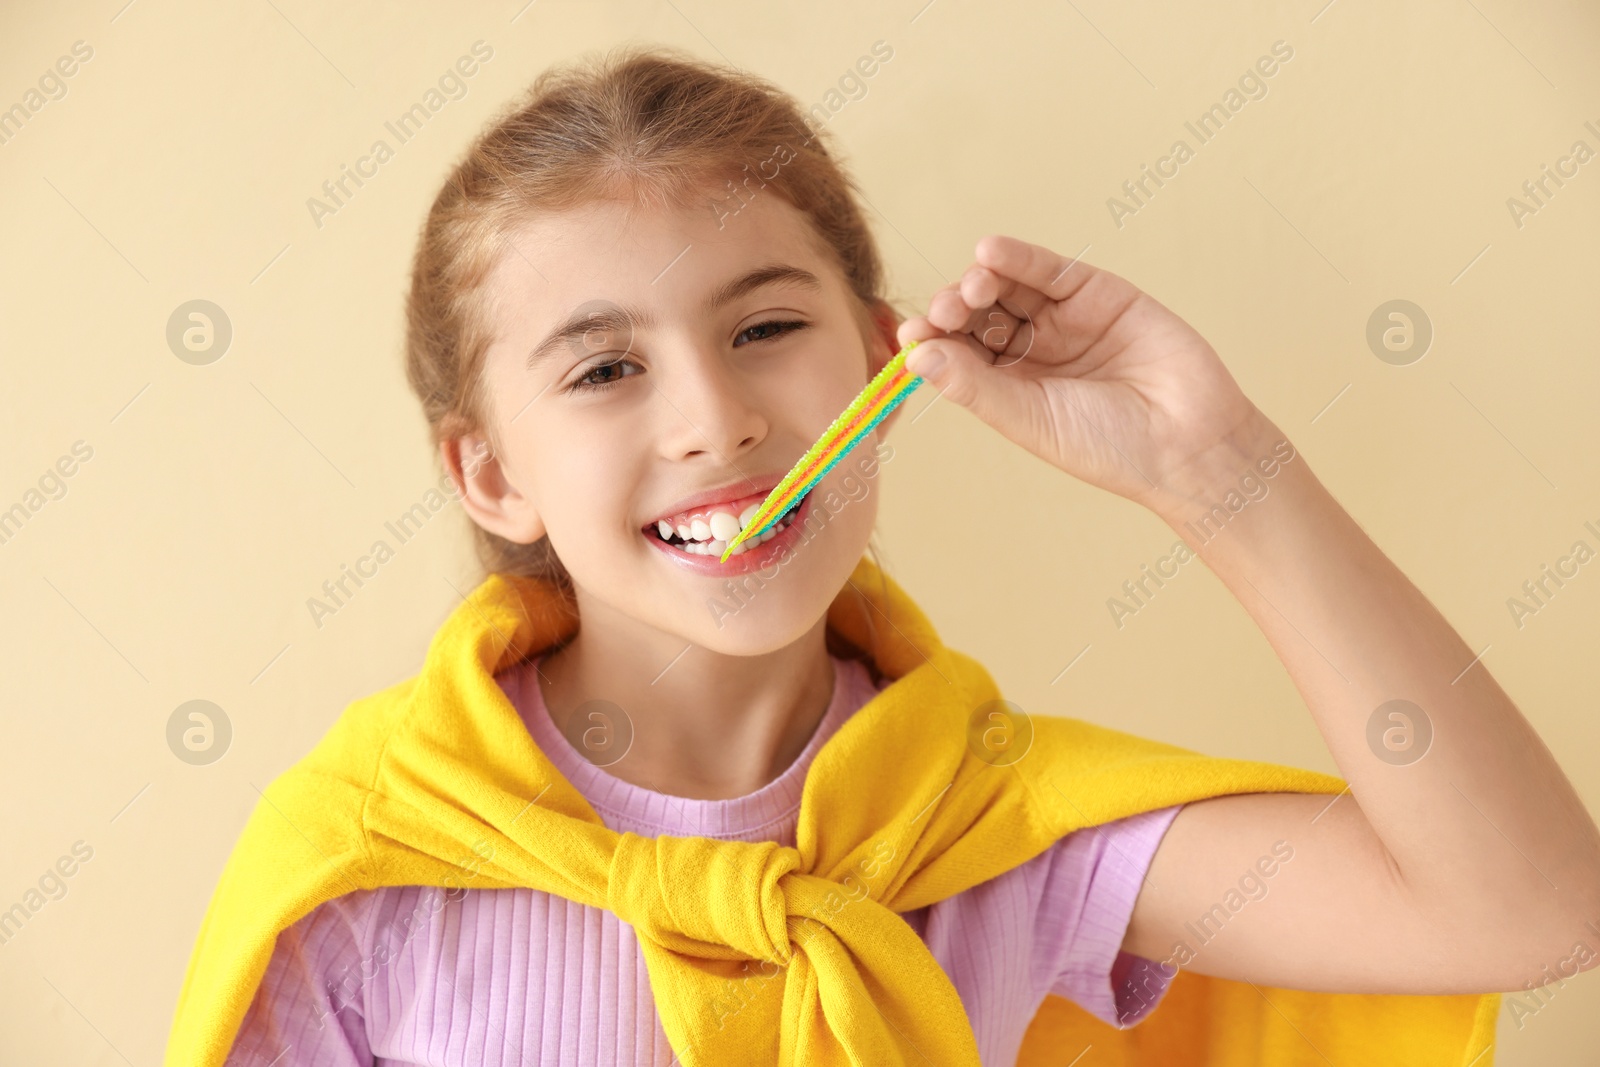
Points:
x=854 y=505
x=589 y=500
x=822 y=384
x=582 y=488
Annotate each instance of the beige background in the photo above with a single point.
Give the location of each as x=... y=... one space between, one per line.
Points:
x=220 y=497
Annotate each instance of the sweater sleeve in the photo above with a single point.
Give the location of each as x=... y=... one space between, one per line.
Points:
x=1088 y=894
x=309 y=1010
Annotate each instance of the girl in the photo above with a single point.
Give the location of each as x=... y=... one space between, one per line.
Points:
x=638 y=298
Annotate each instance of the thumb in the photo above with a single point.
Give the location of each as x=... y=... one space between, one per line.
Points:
x=989 y=392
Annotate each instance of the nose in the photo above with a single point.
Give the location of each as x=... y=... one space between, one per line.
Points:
x=711 y=410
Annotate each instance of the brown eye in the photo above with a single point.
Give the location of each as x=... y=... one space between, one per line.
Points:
x=772 y=329
x=590 y=381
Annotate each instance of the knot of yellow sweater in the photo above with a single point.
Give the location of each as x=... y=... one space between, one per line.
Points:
x=705 y=897
x=858 y=986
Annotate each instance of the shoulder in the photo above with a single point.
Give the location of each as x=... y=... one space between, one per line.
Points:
x=320 y=798
x=353 y=746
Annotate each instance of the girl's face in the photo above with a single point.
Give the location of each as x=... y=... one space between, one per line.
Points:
x=662 y=366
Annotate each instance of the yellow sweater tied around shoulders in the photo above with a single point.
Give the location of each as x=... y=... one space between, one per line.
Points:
x=759 y=953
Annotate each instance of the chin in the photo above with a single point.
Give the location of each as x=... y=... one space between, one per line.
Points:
x=761 y=612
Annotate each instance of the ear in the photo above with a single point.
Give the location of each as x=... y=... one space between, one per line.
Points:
x=882 y=346
x=486 y=494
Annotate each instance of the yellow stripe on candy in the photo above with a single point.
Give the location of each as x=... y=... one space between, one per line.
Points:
x=883 y=394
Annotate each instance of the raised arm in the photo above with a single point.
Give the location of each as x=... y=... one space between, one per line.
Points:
x=1460 y=860
x=1460 y=863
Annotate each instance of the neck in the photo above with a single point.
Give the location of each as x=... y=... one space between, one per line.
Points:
x=704 y=725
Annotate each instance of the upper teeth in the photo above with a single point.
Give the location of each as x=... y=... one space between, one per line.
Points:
x=716 y=528
x=724 y=527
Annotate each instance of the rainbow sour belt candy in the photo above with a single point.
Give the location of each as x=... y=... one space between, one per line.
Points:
x=882 y=395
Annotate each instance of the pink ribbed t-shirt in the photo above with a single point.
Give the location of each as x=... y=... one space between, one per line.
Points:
x=503 y=977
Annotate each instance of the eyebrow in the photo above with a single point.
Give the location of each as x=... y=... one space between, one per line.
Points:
x=627 y=319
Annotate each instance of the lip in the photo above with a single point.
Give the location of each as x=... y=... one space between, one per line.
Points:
x=767 y=554
x=760 y=488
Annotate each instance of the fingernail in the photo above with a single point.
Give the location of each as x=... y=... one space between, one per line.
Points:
x=926 y=362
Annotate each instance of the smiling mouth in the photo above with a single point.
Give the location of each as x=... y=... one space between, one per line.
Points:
x=697 y=535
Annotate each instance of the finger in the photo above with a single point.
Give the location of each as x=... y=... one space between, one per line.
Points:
x=948 y=311
x=982 y=287
x=958 y=367
x=967 y=305
x=1007 y=329
x=995 y=310
x=917 y=328
x=1051 y=273
x=1011 y=307
x=1000 y=333
x=999 y=330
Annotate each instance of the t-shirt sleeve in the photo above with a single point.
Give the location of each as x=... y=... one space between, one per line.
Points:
x=1088 y=894
x=309 y=1010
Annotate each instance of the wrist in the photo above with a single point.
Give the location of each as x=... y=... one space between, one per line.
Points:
x=1233 y=470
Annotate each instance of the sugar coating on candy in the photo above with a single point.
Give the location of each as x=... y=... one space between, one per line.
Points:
x=888 y=388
